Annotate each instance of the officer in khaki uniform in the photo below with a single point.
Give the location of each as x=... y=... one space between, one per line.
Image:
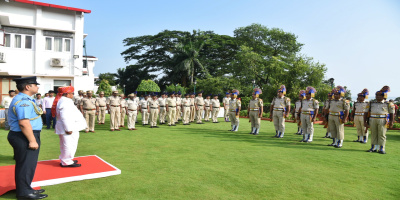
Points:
x=171 y=109
x=131 y=111
x=381 y=115
x=207 y=108
x=123 y=111
x=78 y=98
x=234 y=110
x=225 y=101
x=114 y=108
x=89 y=109
x=186 y=109
x=192 y=108
x=359 y=108
x=215 y=106
x=143 y=109
x=154 y=109
x=297 y=105
x=280 y=109
x=338 y=113
x=163 y=110
x=199 y=104
x=255 y=111
x=309 y=110
x=102 y=103
x=325 y=113
x=178 y=106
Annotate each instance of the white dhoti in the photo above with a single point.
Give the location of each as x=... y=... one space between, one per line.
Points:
x=68 y=146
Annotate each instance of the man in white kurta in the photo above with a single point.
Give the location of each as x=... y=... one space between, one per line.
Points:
x=70 y=122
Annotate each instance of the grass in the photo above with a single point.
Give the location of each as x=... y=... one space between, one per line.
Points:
x=208 y=162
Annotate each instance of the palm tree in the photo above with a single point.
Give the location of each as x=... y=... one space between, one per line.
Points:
x=187 y=58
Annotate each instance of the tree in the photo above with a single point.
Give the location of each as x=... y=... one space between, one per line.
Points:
x=110 y=77
x=148 y=86
x=105 y=87
x=176 y=88
x=397 y=99
x=131 y=77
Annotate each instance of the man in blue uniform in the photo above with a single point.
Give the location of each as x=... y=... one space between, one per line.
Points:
x=24 y=136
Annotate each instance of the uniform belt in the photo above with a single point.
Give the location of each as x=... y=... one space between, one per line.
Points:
x=253 y=109
x=144 y=108
x=90 y=109
x=162 y=106
x=172 y=106
x=102 y=106
x=378 y=116
x=199 y=105
x=187 y=106
x=191 y=105
x=215 y=107
x=306 y=112
x=114 y=106
x=281 y=109
x=131 y=110
x=357 y=113
x=232 y=110
x=153 y=107
x=334 y=113
x=207 y=106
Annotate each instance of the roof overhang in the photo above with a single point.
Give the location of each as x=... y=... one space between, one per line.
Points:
x=52 y=6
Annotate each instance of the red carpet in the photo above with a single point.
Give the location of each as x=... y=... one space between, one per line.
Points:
x=49 y=172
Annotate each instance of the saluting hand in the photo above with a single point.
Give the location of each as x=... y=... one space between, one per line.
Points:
x=33 y=145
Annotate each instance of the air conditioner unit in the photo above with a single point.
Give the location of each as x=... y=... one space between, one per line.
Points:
x=2 y=57
x=56 y=62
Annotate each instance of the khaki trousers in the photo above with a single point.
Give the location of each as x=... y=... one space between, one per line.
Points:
x=131 y=118
x=171 y=115
x=255 y=120
x=199 y=114
x=359 y=122
x=114 y=117
x=145 y=116
x=90 y=116
x=234 y=119
x=207 y=113
x=122 y=119
x=192 y=113
x=336 y=127
x=178 y=113
x=163 y=113
x=226 y=112
x=101 y=117
x=214 y=114
x=186 y=115
x=279 y=120
x=153 y=116
x=378 y=131
x=306 y=124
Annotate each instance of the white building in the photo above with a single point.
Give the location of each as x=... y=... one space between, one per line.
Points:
x=43 y=40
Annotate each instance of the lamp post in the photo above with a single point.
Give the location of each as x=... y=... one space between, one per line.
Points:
x=331 y=80
x=195 y=82
x=124 y=89
x=254 y=83
x=175 y=86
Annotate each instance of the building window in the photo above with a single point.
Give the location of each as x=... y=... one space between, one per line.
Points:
x=58 y=44
x=18 y=41
x=48 y=43
x=67 y=45
x=7 y=40
x=28 y=42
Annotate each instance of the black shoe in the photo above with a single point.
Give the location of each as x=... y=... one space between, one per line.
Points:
x=173 y=124
x=151 y=127
x=382 y=152
x=255 y=133
x=332 y=144
x=357 y=141
x=251 y=133
x=33 y=196
x=38 y=191
x=370 y=150
x=338 y=146
x=73 y=165
x=75 y=161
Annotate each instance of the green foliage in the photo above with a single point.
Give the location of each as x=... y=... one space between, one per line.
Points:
x=216 y=85
x=105 y=87
x=396 y=125
x=245 y=101
x=110 y=77
x=397 y=99
x=148 y=86
x=243 y=113
x=176 y=88
x=131 y=77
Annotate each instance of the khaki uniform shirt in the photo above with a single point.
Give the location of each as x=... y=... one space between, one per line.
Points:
x=153 y=103
x=280 y=102
x=326 y=104
x=123 y=103
x=336 y=106
x=360 y=107
x=143 y=103
x=192 y=101
x=297 y=106
x=78 y=100
x=226 y=100
x=87 y=103
x=234 y=104
x=256 y=103
x=161 y=101
x=114 y=101
x=178 y=101
x=207 y=102
x=199 y=101
x=186 y=102
x=309 y=105
x=101 y=101
x=132 y=104
x=380 y=108
x=171 y=102
x=215 y=103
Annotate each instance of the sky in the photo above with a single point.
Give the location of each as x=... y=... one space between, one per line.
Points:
x=357 y=40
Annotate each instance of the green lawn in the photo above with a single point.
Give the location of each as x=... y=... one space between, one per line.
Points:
x=208 y=162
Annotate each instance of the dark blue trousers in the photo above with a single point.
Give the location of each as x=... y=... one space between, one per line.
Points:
x=50 y=118
x=25 y=161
